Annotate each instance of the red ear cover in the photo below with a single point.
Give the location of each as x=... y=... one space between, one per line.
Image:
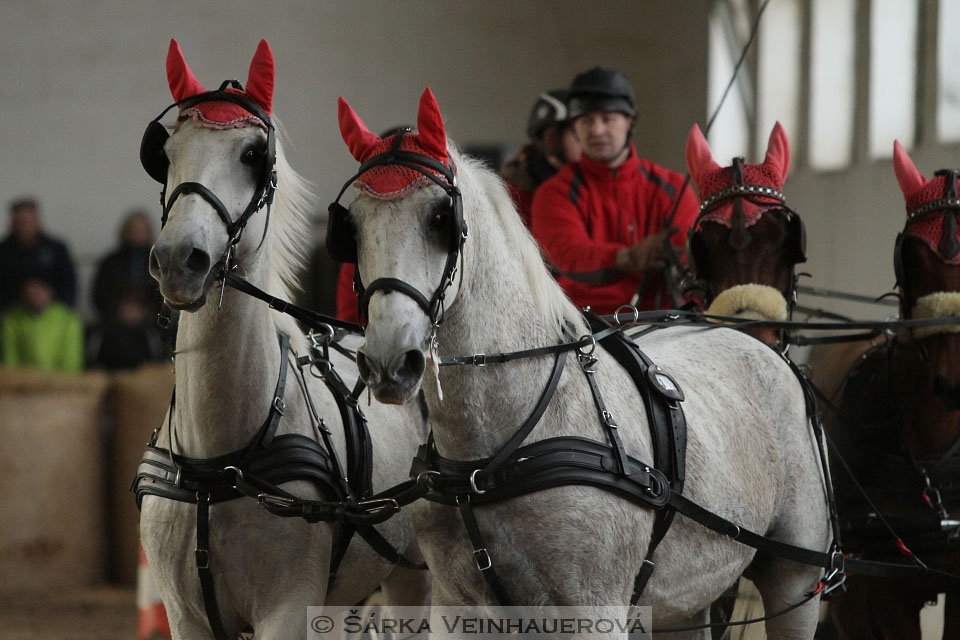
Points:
x=910 y=180
x=260 y=78
x=430 y=131
x=700 y=160
x=359 y=139
x=778 y=152
x=183 y=83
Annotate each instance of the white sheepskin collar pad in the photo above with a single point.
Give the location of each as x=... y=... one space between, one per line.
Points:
x=941 y=304
x=752 y=301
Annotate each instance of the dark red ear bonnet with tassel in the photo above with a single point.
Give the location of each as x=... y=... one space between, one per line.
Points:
x=932 y=206
x=712 y=180
x=394 y=181
x=223 y=115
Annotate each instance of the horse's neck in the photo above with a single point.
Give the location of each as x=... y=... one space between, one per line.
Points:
x=483 y=407
x=227 y=363
x=929 y=427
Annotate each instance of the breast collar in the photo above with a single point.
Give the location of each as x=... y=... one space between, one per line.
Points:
x=272 y=458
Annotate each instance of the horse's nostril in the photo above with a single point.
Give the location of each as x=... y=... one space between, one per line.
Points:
x=198 y=261
x=155 y=267
x=413 y=366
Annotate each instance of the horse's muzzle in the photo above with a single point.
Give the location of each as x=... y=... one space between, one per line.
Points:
x=397 y=381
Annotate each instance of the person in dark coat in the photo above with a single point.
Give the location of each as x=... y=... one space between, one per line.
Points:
x=126 y=269
x=28 y=252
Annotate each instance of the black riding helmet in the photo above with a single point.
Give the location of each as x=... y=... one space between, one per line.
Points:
x=600 y=89
x=549 y=109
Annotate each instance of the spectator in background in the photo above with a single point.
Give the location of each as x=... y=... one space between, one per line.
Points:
x=129 y=337
x=29 y=252
x=551 y=145
x=41 y=332
x=607 y=222
x=126 y=269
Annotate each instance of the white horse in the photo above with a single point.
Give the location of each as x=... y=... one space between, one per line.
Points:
x=266 y=569
x=751 y=456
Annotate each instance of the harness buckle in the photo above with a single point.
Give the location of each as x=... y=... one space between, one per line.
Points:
x=279 y=405
x=279 y=502
x=608 y=419
x=379 y=504
x=482 y=558
x=479 y=360
x=203 y=558
x=473 y=483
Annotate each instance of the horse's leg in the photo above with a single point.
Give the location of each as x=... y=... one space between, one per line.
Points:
x=782 y=584
x=698 y=619
x=851 y=615
x=951 y=615
x=896 y=609
x=406 y=587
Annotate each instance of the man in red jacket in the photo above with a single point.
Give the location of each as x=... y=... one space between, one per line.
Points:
x=605 y=222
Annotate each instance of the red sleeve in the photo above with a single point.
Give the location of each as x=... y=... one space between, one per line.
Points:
x=559 y=227
x=666 y=187
x=346 y=298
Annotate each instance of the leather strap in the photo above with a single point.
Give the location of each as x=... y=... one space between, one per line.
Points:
x=202 y=555
x=480 y=554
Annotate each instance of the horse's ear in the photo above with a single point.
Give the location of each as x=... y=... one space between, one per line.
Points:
x=359 y=139
x=778 y=152
x=260 y=78
x=699 y=158
x=183 y=83
x=909 y=178
x=430 y=131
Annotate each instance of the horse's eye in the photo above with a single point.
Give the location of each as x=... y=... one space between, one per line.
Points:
x=250 y=157
x=438 y=221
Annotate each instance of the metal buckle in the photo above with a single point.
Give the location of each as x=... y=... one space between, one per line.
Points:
x=482 y=558
x=203 y=558
x=608 y=419
x=279 y=405
x=473 y=483
x=280 y=502
x=479 y=360
x=630 y=308
x=592 y=344
x=379 y=505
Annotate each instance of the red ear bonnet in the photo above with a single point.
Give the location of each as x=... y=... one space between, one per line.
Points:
x=918 y=191
x=223 y=115
x=391 y=182
x=711 y=179
x=700 y=160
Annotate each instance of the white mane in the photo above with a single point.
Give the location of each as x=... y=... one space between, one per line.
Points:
x=289 y=239
x=480 y=186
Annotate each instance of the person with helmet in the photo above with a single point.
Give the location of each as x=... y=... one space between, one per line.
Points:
x=607 y=222
x=551 y=145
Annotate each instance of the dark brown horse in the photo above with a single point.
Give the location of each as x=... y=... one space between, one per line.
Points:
x=746 y=241
x=897 y=424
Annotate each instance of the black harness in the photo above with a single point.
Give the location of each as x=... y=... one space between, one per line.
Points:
x=518 y=469
x=341 y=235
x=256 y=470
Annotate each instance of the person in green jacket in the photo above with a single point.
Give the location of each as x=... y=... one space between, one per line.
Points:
x=41 y=332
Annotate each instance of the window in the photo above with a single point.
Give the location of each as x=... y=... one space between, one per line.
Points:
x=730 y=133
x=948 y=78
x=833 y=31
x=778 y=71
x=893 y=75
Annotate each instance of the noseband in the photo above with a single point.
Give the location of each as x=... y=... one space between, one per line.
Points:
x=339 y=226
x=155 y=162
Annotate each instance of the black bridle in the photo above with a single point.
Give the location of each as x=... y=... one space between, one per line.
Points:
x=155 y=162
x=340 y=248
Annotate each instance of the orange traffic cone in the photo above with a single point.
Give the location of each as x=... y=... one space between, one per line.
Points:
x=152 y=621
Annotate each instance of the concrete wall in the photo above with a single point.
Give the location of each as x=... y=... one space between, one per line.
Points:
x=80 y=80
